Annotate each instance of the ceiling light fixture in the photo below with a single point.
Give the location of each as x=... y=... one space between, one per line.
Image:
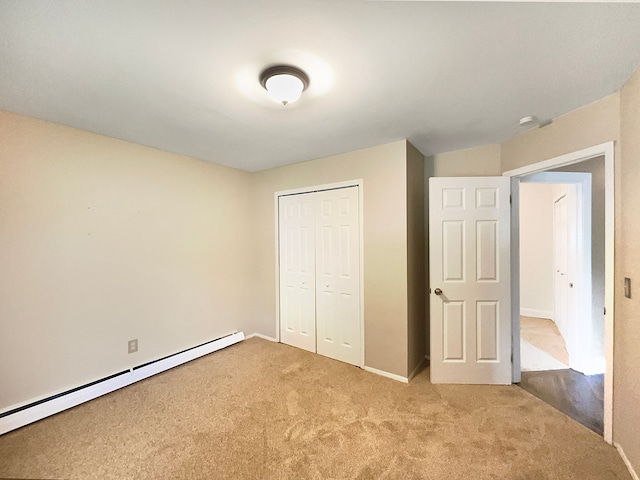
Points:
x=284 y=83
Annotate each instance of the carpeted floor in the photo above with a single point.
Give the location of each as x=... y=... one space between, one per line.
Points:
x=259 y=410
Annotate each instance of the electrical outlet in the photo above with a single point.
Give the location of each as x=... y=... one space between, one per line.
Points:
x=133 y=345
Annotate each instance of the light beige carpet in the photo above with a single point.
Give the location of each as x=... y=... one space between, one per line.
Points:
x=543 y=335
x=259 y=410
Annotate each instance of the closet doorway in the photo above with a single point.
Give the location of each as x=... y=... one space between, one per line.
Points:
x=320 y=271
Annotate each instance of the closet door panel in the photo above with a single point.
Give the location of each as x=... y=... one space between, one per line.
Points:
x=297 y=270
x=338 y=275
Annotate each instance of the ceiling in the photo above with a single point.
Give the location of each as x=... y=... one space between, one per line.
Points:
x=182 y=75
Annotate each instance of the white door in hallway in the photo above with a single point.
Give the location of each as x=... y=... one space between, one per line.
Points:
x=561 y=265
x=338 y=275
x=319 y=255
x=297 y=270
x=469 y=258
x=575 y=329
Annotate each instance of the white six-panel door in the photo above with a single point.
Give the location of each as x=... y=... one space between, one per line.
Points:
x=297 y=271
x=319 y=245
x=338 y=275
x=469 y=255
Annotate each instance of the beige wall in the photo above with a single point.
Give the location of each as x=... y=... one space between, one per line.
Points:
x=536 y=249
x=428 y=172
x=102 y=241
x=416 y=258
x=383 y=170
x=627 y=329
x=591 y=125
x=471 y=162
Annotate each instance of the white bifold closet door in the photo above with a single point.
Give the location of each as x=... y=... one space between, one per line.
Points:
x=320 y=273
x=297 y=271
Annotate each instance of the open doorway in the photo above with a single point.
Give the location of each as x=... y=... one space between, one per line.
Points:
x=597 y=354
x=562 y=289
x=543 y=347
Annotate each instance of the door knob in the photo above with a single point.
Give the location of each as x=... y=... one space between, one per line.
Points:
x=437 y=291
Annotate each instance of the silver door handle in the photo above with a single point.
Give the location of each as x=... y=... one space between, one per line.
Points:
x=437 y=291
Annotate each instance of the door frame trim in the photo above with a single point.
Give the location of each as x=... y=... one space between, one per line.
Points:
x=318 y=188
x=607 y=151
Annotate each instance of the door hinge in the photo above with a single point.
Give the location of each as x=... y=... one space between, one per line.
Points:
x=510 y=200
x=605 y=310
x=511 y=357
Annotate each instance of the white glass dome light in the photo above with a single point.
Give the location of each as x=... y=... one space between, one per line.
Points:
x=283 y=83
x=284 y=88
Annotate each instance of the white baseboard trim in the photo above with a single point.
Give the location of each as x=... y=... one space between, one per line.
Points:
x=418 y=368
x=626 y=461
x=58 y=404
x=264 y=337
x=387 y=374
x=532 y=312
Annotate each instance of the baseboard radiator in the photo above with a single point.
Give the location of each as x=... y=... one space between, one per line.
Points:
x=32 y=412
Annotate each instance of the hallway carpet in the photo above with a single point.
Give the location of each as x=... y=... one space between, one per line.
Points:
x=260 y=410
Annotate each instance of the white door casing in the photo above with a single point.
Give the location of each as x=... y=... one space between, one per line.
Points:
x=338 y=275
x=469 y=257
x=297 y=270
